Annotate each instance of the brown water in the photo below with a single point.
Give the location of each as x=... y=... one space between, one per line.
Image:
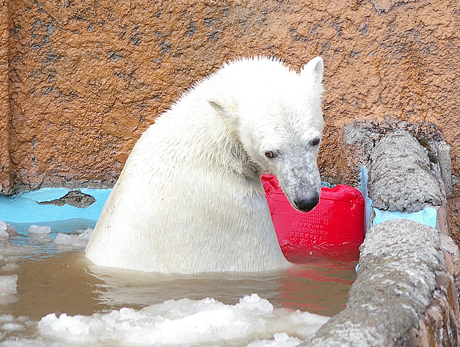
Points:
x=59 y=280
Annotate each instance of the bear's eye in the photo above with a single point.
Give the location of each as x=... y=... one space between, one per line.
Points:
x=270 y=154
x=315 y=142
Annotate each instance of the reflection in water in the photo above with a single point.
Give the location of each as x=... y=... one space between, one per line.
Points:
x=58 y=280
x=321 y=287
x=68 y=282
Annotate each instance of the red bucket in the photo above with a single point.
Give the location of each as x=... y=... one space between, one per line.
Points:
x=334 y=228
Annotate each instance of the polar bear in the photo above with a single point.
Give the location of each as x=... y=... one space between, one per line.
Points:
x=190 y=199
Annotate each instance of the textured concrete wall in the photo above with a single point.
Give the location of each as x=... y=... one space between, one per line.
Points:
x=5 y=163
x=87 y=77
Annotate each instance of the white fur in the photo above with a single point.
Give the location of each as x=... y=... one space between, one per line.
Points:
x=189 y=198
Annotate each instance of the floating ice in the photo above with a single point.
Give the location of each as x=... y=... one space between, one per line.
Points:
x=35 y=229
x=6 y=229
x=8 y=289
x=8 y=284
x=73 y=241
x=3 y=227
x=185 y=322
x=10 y=325
x=280 y=340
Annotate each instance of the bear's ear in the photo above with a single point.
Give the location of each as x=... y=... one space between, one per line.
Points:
x=313 y=69
x=226 y=115
x=223 y=111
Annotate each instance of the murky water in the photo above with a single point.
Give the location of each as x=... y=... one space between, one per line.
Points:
x=58 y=279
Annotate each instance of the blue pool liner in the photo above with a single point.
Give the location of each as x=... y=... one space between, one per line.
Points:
x=24 y=207
x=367 y=201
x=426 y=216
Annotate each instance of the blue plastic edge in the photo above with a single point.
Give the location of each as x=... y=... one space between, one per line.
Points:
x=426 y=216
x=23 y=207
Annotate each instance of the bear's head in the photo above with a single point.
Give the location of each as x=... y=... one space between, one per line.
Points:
x=276 y=115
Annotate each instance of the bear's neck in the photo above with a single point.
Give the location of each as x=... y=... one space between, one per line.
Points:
x=200 y=140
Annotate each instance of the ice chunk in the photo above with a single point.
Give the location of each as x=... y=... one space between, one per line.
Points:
x=8 y=289
x=8 y=284
x=280 y=340
x=73 y=241
x=3 y=227
x=6 y=229
x=9 y=328
x=184 y=322
x=11 y=230
x=40 y=233
x=13 y=326
x=6 y=318
x=35 y=229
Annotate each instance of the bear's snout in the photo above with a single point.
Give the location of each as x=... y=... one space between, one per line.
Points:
x=306 y=205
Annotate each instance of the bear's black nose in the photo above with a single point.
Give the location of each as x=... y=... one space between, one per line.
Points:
x=306 y=205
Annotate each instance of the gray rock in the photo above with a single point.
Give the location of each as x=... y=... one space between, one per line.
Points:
x=395 y=284
x=443 y=151
x=73 y=198
x=400 y=177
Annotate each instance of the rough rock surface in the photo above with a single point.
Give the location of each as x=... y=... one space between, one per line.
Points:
x=395 y=284
x=5 y=161
x=400 y=177
x=73 y=198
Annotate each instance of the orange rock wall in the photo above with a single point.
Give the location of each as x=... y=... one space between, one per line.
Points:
x=5 y=162
x=81 y=80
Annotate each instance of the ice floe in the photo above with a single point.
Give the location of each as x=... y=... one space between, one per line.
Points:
x=35 y=229
x=73 y=241
x=186 y=322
